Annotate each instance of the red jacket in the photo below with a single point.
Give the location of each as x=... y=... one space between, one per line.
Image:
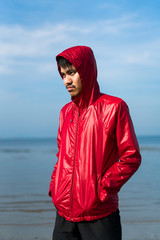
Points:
x=98 y=149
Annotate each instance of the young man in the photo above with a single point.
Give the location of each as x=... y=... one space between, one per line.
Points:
x=98 y=153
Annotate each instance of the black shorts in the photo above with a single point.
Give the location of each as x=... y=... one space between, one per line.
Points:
x=108 y=228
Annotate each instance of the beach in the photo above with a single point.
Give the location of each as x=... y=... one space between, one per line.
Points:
x=27 y=212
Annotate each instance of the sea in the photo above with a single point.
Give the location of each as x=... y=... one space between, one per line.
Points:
x=27 y=212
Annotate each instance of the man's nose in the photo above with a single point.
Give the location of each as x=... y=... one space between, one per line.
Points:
x=68 y=79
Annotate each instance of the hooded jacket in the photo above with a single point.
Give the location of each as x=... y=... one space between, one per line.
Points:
x=98 y=149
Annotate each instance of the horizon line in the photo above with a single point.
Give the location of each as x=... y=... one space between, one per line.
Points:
x=55 y=137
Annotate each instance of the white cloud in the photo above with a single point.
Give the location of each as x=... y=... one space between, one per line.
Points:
x=140 y=58
x=113 y=40
x=5 y=70
x=106 y=5
x=126 y=51
x=19 y=41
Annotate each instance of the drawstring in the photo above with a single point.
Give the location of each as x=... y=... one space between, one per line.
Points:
x=72 y=114
x=78 y=114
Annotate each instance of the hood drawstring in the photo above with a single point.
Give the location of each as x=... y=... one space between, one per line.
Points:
x=72 y=116
x=72 y=113
x=73 y=110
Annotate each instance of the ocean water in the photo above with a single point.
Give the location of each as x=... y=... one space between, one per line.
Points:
x=26 y=211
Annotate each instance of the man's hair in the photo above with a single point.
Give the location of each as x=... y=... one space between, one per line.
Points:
x=63 y=62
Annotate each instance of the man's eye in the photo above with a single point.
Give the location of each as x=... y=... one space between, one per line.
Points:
x=72 y=72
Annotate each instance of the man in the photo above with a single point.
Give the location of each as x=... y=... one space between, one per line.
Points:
x=98 y=153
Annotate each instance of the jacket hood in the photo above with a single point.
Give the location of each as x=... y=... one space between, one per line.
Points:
x=82 y=58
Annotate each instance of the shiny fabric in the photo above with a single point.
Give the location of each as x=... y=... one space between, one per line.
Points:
x=98 y=149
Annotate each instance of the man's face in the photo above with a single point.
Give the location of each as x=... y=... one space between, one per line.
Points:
x=71 y=80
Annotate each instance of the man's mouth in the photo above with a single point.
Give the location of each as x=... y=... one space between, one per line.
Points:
x=71 y=87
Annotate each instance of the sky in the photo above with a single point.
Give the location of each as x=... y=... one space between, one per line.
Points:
x=125 y=38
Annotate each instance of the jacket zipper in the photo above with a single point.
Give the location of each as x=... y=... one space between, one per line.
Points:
x=74 y=162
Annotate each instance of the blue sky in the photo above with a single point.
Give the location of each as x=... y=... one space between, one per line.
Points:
x=124 y=36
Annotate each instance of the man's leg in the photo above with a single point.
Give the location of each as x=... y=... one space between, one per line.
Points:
x=108 y=228
x=65 y=230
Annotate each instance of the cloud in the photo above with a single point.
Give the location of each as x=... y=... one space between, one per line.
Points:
x=17 y=40
x=106 y=6
x=116 y=42
x=126 y=49
x=5 y=70
x=27 y=55
x=141 y=58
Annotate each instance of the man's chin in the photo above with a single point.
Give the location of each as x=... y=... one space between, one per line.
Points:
x=74 y=95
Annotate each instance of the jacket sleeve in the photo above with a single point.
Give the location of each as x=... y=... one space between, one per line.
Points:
x=129 y=155
x=55 y=166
